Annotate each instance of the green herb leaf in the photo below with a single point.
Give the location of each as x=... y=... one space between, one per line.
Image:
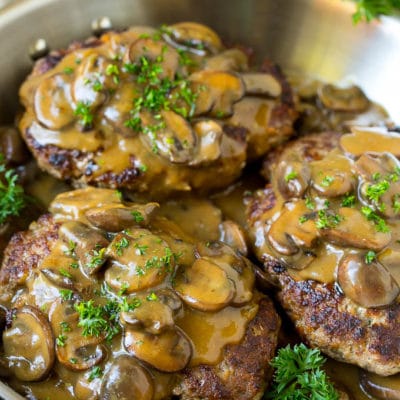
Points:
x=12 y=196
x=291 y=175
x=367 y=10
x=298 y=376
x=379 y=222
x=370 y=257
x=95 y=372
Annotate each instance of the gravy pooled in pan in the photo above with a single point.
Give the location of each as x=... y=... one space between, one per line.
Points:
x=156 y=111
x=103 y=297
x=327 y=231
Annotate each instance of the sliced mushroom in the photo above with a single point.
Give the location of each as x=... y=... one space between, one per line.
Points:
x=233 y=235
x=153 y=316
x=89 y=245
x=72 y=205
x=127 y=379
x=192 y=36
x=52 y=102
x=115 y=218
x=259 y=83
x=156 y=51
x=377 y=140
x=139 y=261
x=350 y=99
x=169 y=298
x=228 y=60
x=380 y=387
x=77 y=352
x=224 y=88
x=289 y=233
x=210 y=134
x=292 y=178
x=57 y=279
x=369 y=285
x=29 y=344
x=354 y=230
x=332 y=176
x=238 y=269
x=92 y=83
x=372 y=164
x=175 y=141
x=205 y=286
x=168 y=352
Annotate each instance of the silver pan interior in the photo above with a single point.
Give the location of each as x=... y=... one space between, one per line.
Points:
x=312 y=36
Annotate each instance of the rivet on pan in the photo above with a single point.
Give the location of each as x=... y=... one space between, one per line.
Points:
x=38 y=49
x=101 y=25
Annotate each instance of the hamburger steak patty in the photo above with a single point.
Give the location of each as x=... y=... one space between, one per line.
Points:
x=323 y=315
x=242 y=373
x=133 y=110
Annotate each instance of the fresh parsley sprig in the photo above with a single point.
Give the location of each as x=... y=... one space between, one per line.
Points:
x=12 y=196
x=367 y=10
x=298 y=376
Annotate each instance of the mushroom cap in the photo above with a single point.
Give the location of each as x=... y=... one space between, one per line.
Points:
x=127 y=379
x=29 y=344
x=205 y=285
x=369 y=285
x=169 y=351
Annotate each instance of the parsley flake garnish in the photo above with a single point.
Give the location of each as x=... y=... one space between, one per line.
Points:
x=370 y=256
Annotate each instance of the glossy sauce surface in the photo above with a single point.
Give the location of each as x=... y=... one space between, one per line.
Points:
x=207 y=332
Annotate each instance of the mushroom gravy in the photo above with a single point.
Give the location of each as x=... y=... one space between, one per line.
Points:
x=158 y=111
x=336 y=219
x=141 y=280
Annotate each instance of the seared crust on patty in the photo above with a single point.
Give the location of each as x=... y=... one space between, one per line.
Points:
x=27 y=249
x=244 y=369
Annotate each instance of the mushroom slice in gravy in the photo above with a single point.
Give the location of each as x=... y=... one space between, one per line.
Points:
x=205 y=285
x=169 y=351
x=127 y=379
x=29 y=344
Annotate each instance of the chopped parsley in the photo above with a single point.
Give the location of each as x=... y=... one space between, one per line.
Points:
x=66 y=294
x=83 y=111
x=372 y=216
x=97 y=258
x=113 y=70
x=152 y=297
x=137 y=216
x=370 y=257
x=327 y=181
x=141 y=248
x=122 y=244
x=65 y=273
x=71 y=249
x=65 y=327
x=303 y=218
x=60 y=340
x=299 y=375
x=291 y=175
x=12 y=196
x=396 y=203
x=310 y=204
x=95 y=372
x=68 y=70
x=375 y=191
x=348 y=201
x=327 y=219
